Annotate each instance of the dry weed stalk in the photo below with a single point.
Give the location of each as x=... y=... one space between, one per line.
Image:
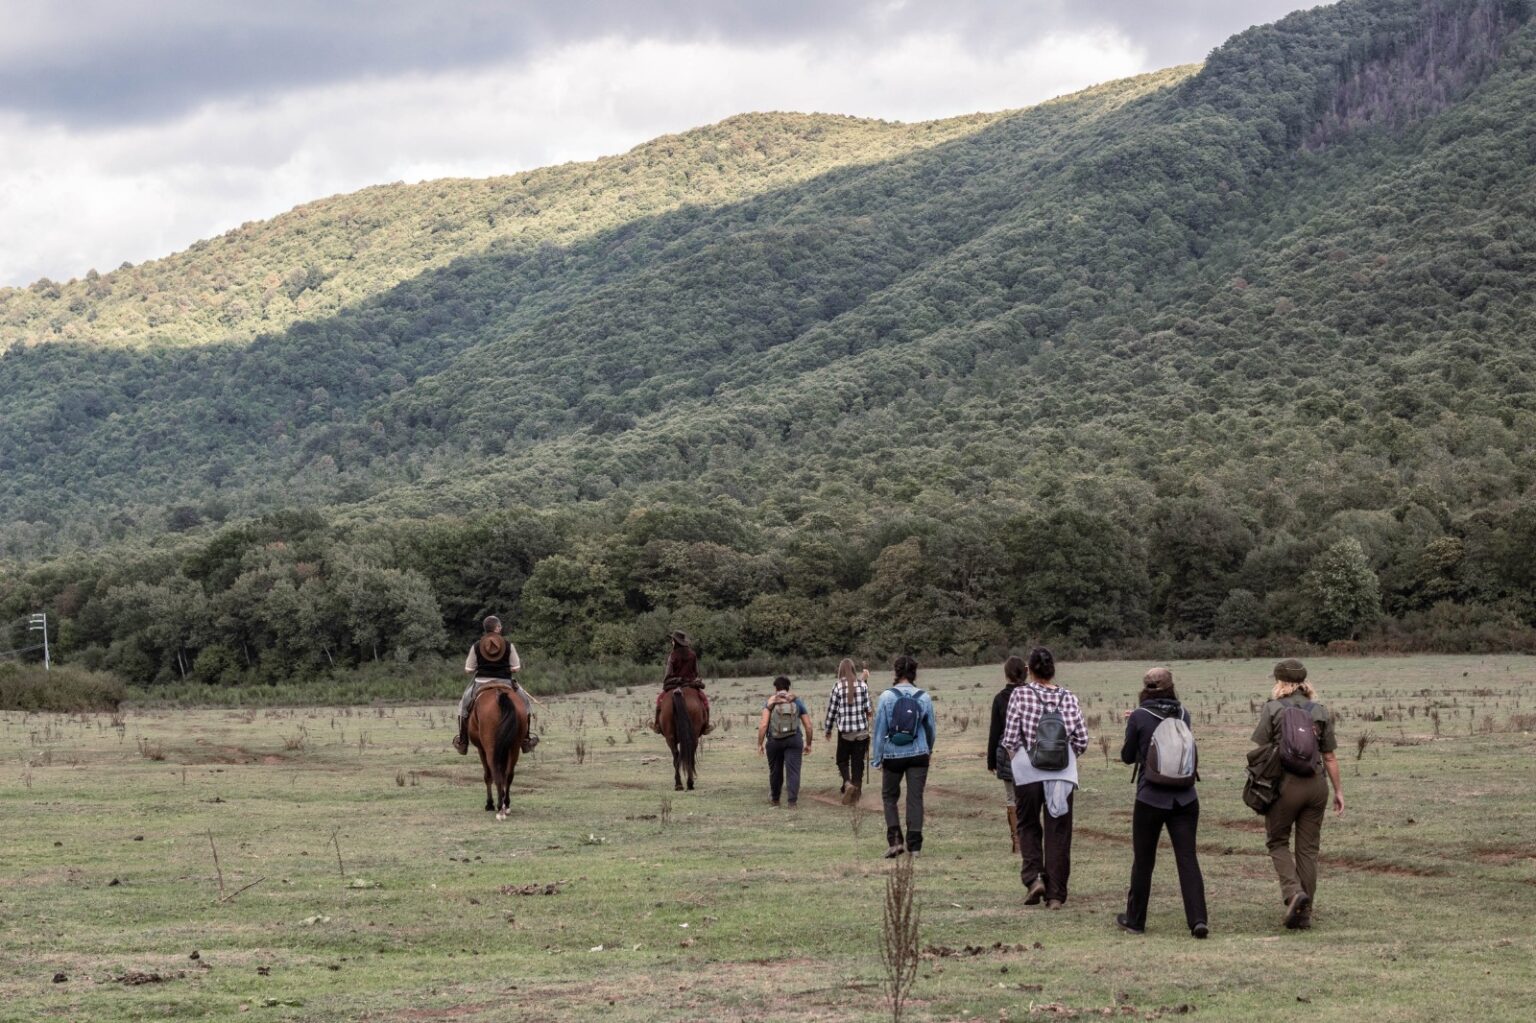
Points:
x=899 y=949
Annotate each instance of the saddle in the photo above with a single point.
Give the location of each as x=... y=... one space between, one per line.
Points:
x=681 y=683
x=492 y=685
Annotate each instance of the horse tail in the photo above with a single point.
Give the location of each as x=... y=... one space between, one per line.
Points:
x=682 y=727
x=506 y=737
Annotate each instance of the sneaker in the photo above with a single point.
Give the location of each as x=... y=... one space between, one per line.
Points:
x=895 y=850
x=1121 y=921
x=1035 y=894
x=1200 y=930
x=1296 y=909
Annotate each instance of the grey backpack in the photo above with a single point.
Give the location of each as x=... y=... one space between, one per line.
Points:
x=783 y=720
x=1172 y=759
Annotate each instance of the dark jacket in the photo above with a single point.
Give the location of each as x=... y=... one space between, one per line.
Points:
x=999 y=716
x=682 y=663
x=1138 y=738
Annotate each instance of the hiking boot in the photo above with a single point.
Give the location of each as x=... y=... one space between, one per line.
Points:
x=1296 y=909
x=1035 y=893
x=1013 y=828
x=914 y=842
x=1304 y=923
x=461 y=741
x=851 y=795
x=709 y=726
x=529 y=743
x=773 y=802
x=1054 y=903
x=893 y=839
x=1200 y=930
x=1121 y=921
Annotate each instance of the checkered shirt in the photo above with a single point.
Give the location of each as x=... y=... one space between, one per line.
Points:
x=1025 y=708
x=848 y=715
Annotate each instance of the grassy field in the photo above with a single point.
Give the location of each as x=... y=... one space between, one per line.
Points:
x=712 y=905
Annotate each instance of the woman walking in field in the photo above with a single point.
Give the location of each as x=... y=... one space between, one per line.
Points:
x=1159 y=743
x=848 y=712
x=1043 y=735
x=902 y=746
x=1301 y=732
x=1014 y=675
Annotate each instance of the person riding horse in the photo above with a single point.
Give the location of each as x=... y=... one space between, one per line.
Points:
x=682 y=670
x=491 y=661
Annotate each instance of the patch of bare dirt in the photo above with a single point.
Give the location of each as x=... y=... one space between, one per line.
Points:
x=1380 y=866
x=550 y=888
x=1504 y=855
x=1253 y=827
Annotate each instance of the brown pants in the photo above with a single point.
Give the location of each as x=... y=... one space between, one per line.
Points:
x=1300 y=809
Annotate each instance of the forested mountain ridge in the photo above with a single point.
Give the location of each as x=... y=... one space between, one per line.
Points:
x=328 y=254
x=1211 y=354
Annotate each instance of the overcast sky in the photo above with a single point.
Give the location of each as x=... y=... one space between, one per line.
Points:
x=131 y=128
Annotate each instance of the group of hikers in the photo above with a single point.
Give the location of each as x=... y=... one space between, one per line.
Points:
x=1037 y=732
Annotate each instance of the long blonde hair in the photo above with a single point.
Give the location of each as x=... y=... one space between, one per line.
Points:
x=1283 y=689
x=848 y=677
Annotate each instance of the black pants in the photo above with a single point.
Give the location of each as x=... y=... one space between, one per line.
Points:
x=1045 y=842
x=1147 y=823
x=915 y=771
x=851 y=754
x=784 y=758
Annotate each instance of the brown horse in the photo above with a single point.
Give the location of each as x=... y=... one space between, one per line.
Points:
x=497 y=723
x=682 y=720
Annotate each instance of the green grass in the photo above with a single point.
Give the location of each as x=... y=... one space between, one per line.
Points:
x=734 y=910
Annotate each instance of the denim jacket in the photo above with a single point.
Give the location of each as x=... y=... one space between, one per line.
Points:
x=922 y=743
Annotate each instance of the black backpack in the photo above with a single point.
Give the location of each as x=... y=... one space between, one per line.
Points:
x=1049 y=753
x=1297 y=740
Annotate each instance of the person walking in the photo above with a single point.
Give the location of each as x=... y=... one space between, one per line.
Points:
x=848 y=711
x=784 y=718
x=1159 y=730
x=1014 y=675
x=1043 y=735
x=901 y=746
x=1301 y=730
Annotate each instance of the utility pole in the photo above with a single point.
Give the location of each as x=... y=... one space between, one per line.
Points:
x=39 y=623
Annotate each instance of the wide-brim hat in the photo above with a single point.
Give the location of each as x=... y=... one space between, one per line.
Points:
x=492 y=647
x=681 y=638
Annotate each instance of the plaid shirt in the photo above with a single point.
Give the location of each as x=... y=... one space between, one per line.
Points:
x=1025 y=708
x=848 y=715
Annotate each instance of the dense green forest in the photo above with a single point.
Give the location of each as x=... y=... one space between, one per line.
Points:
x=1209 y=358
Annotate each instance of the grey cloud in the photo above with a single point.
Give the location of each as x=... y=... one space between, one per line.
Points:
x=92 y=62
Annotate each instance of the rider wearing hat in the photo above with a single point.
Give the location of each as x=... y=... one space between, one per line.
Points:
x=682 y=670
x=493 y=659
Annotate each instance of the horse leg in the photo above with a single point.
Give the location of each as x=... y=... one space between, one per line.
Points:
x=489 y=803
x=677 y=774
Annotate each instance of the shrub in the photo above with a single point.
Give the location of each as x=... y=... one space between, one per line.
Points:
x=66 y=689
